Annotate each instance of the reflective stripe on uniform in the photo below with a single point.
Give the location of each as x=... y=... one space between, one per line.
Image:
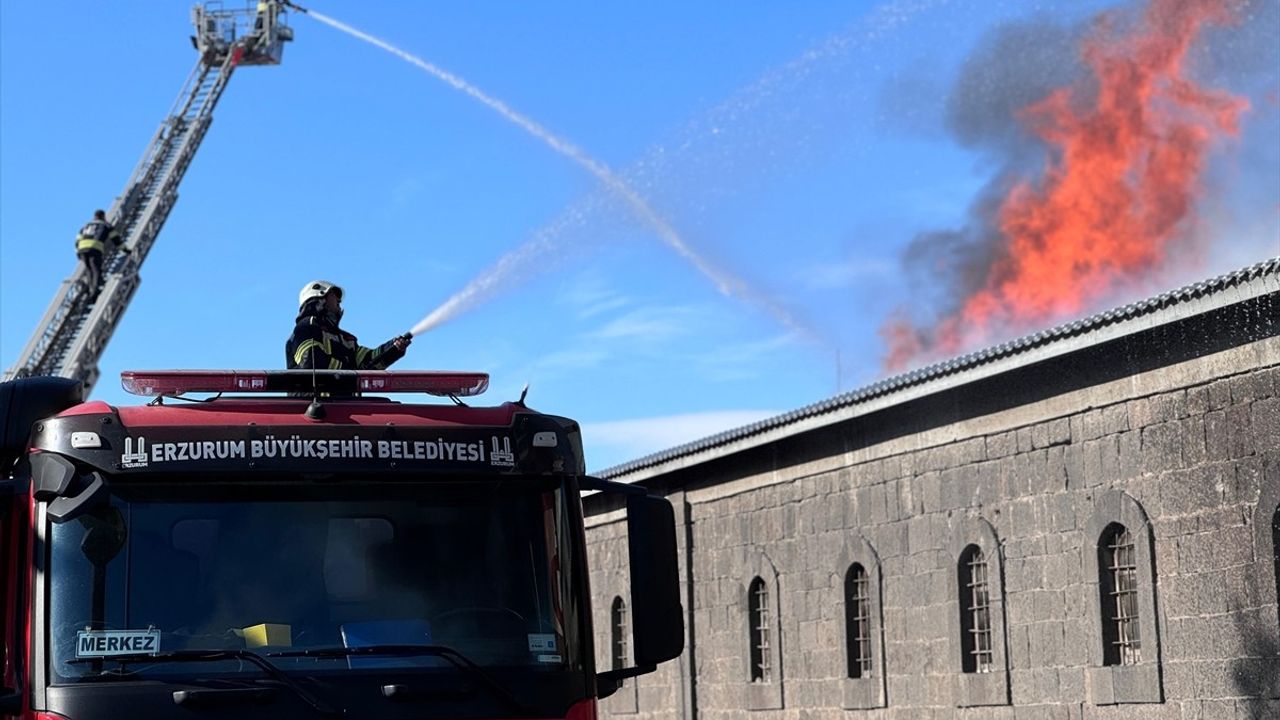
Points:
x=334 y=364
x=85 y=243
x=301 y=353
x=307 y=345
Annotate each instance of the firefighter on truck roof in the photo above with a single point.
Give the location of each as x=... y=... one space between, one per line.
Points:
x=317 y=343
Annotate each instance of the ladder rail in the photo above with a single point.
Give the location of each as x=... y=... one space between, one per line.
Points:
x=76 y=327
x=55 y=318
x=81 y=359
x=147 y=162
x=73 y=332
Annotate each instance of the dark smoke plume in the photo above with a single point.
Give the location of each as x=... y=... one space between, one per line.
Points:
x=1013 y=67
x=1098 y=138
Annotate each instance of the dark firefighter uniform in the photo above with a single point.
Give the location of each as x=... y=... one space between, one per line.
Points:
x=318 y=343
x=264 y=24
x=91 y=246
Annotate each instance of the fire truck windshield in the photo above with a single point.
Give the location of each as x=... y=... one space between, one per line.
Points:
x=485 y=568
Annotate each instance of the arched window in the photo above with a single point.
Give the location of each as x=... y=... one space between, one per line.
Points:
x=626 y=700
x=1118 y=593
x=977 y=655
x=857 y=611
x=618 y=625
x=863 y=686
x=1124 y=641
x=762 y=657
x=760 y=618
x=980 y=653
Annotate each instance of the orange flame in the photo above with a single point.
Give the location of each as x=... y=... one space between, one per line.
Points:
x=1120 y=188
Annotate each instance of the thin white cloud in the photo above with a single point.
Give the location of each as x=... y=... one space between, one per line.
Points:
x=572 y=359
x=408 y=190
x=742 y=361
x=591 y=295
x=643 y=436
x=602 y=304
x=652 y=324
x=639 y=329
x=834 y=276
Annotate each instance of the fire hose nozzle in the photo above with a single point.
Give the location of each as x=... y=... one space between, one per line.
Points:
x=299 y=8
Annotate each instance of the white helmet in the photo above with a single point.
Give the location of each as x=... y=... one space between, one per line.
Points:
x=317 y=289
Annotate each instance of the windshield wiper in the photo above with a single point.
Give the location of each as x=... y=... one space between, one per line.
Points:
x=457 y=659
x=254 y=658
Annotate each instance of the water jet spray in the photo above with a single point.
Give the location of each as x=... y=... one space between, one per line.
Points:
x=725 y=283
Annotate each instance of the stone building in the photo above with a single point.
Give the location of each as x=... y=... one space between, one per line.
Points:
x=1079 y=524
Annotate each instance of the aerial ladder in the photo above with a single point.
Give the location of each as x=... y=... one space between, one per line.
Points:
x=76 y=328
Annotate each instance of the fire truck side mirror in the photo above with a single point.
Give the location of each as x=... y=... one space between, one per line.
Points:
x=105 y=535
x=54 y=480
x=657 y=616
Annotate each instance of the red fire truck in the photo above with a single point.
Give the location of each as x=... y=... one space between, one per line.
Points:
x=307 y=547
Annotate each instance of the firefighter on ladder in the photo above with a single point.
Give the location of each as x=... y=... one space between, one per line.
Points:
x=317 y=343
x=91 y=246
x=264 y=23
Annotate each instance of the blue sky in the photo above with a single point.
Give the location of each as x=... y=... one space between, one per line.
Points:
x=798 y=148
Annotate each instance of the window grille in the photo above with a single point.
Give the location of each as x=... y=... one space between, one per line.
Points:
x=758 y=610
x=619 y=626
x=975 y=613
x=1119 y=587
x=858 y=621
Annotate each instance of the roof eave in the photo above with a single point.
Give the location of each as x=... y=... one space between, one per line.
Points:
x=1257 y=281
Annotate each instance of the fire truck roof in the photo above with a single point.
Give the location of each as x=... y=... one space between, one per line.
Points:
x=333 y=427
x=279 y=411
x=159 y=383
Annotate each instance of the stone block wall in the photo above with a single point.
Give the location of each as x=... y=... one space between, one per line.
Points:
x=1186 y=457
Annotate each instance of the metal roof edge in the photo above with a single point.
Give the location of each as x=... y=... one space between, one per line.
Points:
x=1197 y=298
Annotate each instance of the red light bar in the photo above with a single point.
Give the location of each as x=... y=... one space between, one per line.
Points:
x=443 y=384
x=153 y=383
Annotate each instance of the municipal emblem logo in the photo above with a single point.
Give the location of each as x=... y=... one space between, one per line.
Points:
x=131 y=458
x=500 y=454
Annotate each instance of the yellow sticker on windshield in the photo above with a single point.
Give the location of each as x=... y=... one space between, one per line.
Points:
x=268 y=634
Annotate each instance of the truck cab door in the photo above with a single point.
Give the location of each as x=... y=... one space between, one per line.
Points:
x=12 y=600
x=23 y=402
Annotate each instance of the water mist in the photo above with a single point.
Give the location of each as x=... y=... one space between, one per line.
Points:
x=725 y=283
